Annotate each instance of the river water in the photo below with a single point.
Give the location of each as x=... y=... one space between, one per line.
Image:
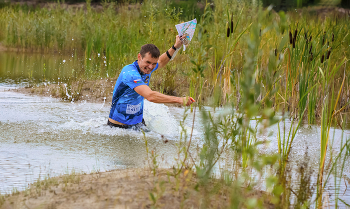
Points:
x=42 y=136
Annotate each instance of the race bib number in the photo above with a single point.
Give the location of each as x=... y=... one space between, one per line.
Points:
x=132 y=109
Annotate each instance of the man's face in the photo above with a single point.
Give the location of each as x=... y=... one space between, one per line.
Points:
x=147 y=63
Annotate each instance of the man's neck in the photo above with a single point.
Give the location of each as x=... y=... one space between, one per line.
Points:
x=138 y=68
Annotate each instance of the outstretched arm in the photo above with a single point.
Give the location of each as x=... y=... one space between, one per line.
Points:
x=157 y=97
x=164 y=59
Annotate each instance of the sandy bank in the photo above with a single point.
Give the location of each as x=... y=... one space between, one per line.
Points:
x=95 y=91
x=98 y=91
x=131 y=188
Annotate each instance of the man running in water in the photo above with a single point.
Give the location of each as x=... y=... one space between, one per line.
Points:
x=132 y=87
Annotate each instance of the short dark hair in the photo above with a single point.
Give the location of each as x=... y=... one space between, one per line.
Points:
x=150 y=48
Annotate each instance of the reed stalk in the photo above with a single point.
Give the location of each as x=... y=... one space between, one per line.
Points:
x=329 y=107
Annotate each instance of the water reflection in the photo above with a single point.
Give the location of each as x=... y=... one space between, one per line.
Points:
x=36 y=67
x=21 y=67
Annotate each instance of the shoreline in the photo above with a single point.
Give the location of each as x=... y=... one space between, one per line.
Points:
x=94 y=91
x=128 y=188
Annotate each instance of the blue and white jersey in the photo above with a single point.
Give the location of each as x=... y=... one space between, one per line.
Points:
x=127 y=104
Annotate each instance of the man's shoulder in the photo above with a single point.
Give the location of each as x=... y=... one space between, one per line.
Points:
x=130 y=73
x=130 y=69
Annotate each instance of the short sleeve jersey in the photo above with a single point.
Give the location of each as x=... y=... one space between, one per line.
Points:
x=127 y=104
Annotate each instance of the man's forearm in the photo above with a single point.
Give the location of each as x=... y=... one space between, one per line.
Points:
x=157 y=97
x=164 y=59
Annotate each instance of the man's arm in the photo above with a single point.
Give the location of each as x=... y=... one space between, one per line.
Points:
x=164 y=59
x=157 y=97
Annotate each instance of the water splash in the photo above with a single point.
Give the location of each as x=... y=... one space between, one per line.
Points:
x=159 y=119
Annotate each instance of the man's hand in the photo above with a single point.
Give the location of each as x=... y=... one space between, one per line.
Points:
x=178 y=42
x=164 y=59
x=187 y=101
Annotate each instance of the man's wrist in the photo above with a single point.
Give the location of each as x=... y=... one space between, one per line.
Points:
x=173 y=47
x=177 y=47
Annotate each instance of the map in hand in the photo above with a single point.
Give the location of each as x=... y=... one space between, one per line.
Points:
x=187 y=29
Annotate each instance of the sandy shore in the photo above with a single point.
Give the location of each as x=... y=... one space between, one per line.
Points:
x=97 y=91
x=130 y=188
x=115 y=189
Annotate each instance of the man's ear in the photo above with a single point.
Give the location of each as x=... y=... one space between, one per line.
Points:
x=139 y=56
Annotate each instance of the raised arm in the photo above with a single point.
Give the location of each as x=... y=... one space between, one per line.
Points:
x=164 y=59
x=157 y=97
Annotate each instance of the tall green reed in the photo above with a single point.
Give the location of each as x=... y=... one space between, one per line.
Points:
x=234 y=128
x=328 y=114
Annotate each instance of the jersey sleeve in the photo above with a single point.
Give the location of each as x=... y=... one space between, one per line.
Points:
x=132 y=78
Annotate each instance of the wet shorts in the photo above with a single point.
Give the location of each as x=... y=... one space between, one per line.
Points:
x=136 y=127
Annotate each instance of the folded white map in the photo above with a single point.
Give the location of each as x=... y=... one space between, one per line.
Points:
x=187 y=29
